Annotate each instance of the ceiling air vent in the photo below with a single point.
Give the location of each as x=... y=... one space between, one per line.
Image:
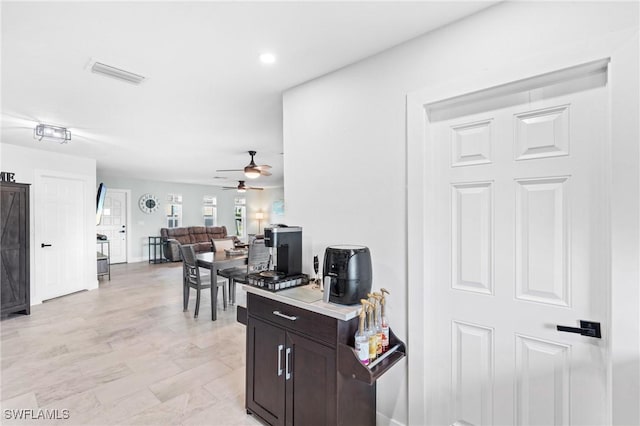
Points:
x=109 y=71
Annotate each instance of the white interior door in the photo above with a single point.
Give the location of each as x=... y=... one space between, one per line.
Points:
x=520 y=214
x=114 y=224
x=60 y=235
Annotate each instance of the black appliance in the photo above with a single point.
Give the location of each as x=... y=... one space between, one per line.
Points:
x=287 y=240
x=347 y=274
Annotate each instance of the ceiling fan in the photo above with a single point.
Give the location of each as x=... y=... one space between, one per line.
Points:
x=252 y=170
x=242 y=187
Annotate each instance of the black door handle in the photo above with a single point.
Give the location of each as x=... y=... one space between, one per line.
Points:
x=45 y=245
x=587 y=328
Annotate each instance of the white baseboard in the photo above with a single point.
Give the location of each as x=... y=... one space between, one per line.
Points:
x=382 y=420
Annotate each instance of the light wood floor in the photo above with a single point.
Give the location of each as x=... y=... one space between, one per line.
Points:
x=126 y=354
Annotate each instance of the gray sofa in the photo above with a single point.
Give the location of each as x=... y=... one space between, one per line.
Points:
x=199 y=236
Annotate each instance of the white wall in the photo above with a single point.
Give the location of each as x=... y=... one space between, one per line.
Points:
x=144 y=225
x=262 y=201
x=24 y=162
x=348 y=129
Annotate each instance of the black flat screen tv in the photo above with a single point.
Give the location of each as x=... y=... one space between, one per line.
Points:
x=102 y=192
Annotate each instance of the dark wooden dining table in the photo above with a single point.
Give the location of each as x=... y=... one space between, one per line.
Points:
x=215 y=262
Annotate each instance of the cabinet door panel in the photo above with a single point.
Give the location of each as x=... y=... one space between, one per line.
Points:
x=311 y=390
x=14 y=248
x=265 y=386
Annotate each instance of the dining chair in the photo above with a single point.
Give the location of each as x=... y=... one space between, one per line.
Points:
x=257 y=261
x=192 y=278
x=221 y=244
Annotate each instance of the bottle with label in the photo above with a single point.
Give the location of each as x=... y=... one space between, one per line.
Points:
x=384 y=323
x=371 y=332
x=362 y=340
x=377 y=297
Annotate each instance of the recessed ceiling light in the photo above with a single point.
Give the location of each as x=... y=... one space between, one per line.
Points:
x=267 y=58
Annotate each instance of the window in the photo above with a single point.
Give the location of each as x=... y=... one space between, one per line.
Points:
x=240 y=213
x=174 y=210
x=209 y=210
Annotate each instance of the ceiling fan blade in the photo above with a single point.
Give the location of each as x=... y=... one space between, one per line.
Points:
x=254 y=188
x=231 y=170
x=262 y=167
x=265 y=173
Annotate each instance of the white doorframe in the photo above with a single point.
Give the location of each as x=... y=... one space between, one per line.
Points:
x=129 y=223
x=622 y=49
x=625 y=230
x=128 y=214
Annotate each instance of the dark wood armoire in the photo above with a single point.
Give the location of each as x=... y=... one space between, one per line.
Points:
x=14 y=248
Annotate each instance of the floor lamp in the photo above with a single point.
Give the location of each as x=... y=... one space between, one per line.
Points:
x=259 y=216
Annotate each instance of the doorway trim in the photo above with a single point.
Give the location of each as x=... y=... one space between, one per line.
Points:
x=624 y=374
x=127 y=193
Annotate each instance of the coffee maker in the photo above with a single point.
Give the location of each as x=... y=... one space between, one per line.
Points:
x=287 y=242
x=347 y=274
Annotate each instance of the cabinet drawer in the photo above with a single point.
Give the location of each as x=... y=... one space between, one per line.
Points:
x=316 y=326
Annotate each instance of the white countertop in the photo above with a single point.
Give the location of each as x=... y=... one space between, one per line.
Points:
x=341 y=312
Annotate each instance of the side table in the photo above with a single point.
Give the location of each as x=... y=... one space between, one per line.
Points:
x=156 y=253
x=104 y=265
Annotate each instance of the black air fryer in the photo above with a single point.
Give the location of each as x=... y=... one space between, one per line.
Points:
x=346 y=274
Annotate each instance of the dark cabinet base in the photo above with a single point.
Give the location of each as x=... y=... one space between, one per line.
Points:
x=14 y=249
x=298 y=371
x=20 y=310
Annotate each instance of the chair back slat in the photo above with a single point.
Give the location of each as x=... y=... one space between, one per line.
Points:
x=222 y=244
x=191 y=270
x=258 y=257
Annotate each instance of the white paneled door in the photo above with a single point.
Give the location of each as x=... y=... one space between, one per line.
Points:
x=521 y=209
x=60 y=244
x=114 y=224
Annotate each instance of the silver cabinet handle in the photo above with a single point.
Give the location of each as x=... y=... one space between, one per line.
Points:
x=281 y=315
x=280 y=348
x=287 y=375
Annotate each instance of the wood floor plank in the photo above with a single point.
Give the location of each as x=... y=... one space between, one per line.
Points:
x=116 y=412
x=189 y=379
x=133 y=383
x=80 y=383
x=175 y=410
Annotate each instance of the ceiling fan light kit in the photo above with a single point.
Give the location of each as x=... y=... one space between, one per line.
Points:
x=54 y=133
x=252 y=170
x=242 y=187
